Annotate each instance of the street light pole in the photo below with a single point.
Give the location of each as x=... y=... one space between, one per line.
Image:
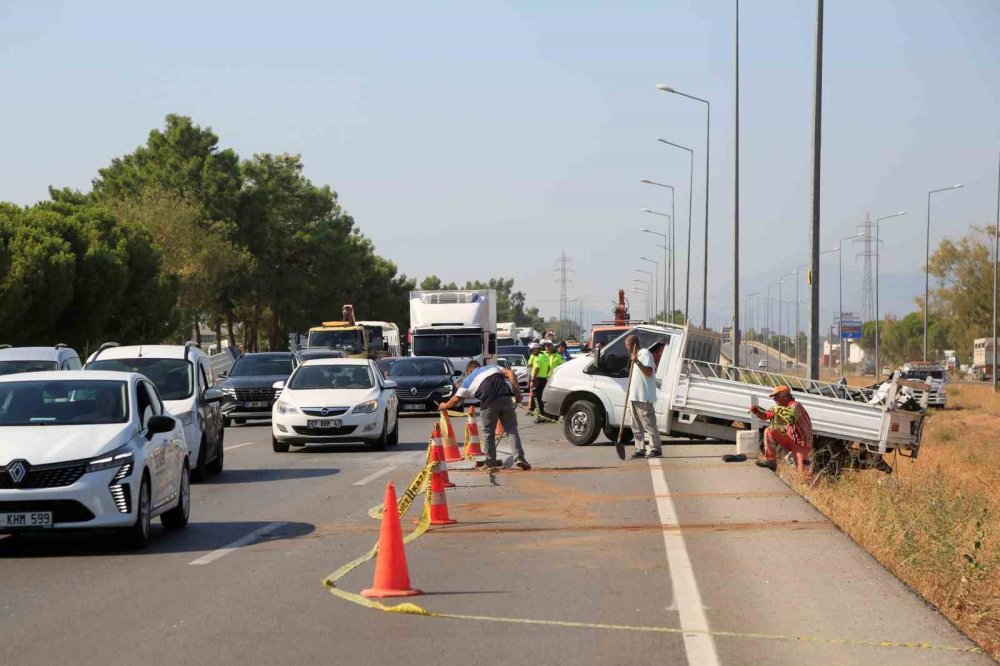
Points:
x=927 y=260
x=666 y=243
x=649 y=315
x=736 y=204
x=814 y=234
x=657 y=270
x=708 y=140
x=687 y=279
x=878 y=253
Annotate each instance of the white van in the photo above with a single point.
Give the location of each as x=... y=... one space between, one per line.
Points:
x=182 y=375
x=14 y=360
x=383 y=338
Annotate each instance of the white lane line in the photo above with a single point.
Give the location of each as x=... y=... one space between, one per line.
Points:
x=372 y=477
x=239 y=543
x=700 y=647
x=236 y=446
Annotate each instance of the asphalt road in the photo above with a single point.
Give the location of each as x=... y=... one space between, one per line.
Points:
x=720 y=560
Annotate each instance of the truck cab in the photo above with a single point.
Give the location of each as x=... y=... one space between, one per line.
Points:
x=458 y=325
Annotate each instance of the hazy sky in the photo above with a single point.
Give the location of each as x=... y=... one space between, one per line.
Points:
x=473 y=140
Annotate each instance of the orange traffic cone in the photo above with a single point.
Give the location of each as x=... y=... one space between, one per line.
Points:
x=472 y=446
x=439 y=503
x=437 y=453
x=451 y=452
x=392 y=578
x=500 y=432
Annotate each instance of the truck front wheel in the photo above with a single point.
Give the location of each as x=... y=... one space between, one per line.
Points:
x=582 y=423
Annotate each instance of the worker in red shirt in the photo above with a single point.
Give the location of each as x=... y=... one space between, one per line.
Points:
x=790 y=428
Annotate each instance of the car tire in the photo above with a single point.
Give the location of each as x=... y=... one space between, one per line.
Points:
x=393 y=439
x=279 y=447
x=177 y=518
x=215 y=467
x=239 y=421
x=383 y=439
x=198 y=473
x=137 y=536
x=582 y=423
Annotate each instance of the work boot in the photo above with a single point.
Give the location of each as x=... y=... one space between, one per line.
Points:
x=637 y=454
x=521 y=463
x=769 y=464
x=655 y=453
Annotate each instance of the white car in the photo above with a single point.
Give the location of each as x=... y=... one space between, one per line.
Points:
x=90 y=449
x=335 y=400
x=37 y=359
x=519 y=366
x=183 y=376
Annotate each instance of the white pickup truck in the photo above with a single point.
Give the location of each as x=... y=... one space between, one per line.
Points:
x=701 y=399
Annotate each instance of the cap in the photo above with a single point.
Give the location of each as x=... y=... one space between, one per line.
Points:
x=779 y=389
x=546 y=341
x=534 y=345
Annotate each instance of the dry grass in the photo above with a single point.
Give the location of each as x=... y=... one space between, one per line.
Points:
x=935 y=522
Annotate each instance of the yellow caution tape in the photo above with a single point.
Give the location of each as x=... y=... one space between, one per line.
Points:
x=410 y=494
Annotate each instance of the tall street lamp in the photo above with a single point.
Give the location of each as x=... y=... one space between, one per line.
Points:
x=687 y=279
x=708 y=137
x=736 y=200
x=781 y=282
x=670 y=231
x=927 y=260
x=666 y=255
x=878 y=253
x=657 y=271
x=670 y=242
x=814 y=231
x=651 y=292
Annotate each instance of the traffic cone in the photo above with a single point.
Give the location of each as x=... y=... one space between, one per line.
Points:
x=451 y=452
x=472 y=446
x=392 y=578
x=500 y=432
x=439 y=503
x=437 y=453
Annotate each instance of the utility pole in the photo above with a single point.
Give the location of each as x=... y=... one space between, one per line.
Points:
x=996 y=258
x=736 y=206
x=814 y=231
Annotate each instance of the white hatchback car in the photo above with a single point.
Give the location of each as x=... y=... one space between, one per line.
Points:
x=90 y=449
x=335 y=400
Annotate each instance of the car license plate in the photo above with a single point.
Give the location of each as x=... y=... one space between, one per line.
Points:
x=323 y=423
x=26 y=519
x=412 y=408
x=255 y=404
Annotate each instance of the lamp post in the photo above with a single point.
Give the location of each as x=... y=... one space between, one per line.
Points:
x=651 y=292
x=657 y=271
x=637 y=290
x=687 y=279
x=670 y=242
x=878 y=253
x=666 y=243
x=708 y=138
x=927 y=260
x=736 y=199
x=797 y=328
x=781 y=281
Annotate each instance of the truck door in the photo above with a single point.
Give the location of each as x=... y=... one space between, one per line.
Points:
x=614 y=364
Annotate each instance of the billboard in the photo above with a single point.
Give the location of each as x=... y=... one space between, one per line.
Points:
x=852 y=326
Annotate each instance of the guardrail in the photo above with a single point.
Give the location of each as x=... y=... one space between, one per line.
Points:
x=772 y=379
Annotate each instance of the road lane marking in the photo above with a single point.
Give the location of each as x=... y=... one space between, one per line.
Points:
x=239 y=543
x=236 y=446
x=372 y=477
x=698 y=642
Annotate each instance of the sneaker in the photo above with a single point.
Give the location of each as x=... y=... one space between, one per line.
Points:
x=637 y=454
x=655 y=454
x=492 y=464
x=768 y=464
x=521 y=463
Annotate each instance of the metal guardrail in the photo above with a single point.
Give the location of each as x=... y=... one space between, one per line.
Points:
x=772 y=379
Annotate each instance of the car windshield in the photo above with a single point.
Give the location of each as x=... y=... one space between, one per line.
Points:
x=419 y=367
x=173 y=378
x=447 y=345
x=14 y=367
x=63 y=402
x=348 y=341
x=604 y=337
x=261 y=366
x=514 y=359
x=921 y=374
x=309 y=377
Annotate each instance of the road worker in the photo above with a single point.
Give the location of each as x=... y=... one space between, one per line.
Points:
x=790 y=428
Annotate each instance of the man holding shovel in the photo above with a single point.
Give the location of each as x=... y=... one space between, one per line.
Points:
x=642 y=399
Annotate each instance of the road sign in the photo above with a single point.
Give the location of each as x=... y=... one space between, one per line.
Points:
x=851 y=324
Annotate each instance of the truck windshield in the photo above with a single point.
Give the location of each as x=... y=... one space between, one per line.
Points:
x=349 y=341
x=604 y=337
x=447 y=345
x=921 y=374
x=173 y=378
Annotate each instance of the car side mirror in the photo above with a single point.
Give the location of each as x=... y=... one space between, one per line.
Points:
x=211 y=395
x=278 y=385
x=158 y=424
x=223 y=374
x=456 y=374
x=597 y=357
x=390 y=384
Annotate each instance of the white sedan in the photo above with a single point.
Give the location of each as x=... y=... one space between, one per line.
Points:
x=90 y=449
x=335 y=400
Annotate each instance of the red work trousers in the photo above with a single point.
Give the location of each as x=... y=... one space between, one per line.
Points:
x=774 y=437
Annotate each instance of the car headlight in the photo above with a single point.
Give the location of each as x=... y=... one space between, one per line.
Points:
x=228 y=391
x=117 y=458
x=446 y=389
x=366 y=407
x=286 y=407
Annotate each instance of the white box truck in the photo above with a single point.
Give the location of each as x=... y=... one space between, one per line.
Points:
x=460 y=325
